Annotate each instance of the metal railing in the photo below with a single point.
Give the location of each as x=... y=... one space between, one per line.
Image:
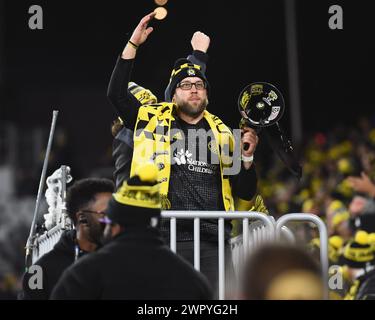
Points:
x=323 y=235
x=288 y=234
x=220 y=215
x=258 y=234
x=262 y=229
x=45 y=243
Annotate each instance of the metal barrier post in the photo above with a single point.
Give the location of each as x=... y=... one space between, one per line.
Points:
x=323 y=234
x=288 y=234
x=173 y=235
x=221 y=215
x=221 y=260
x=245 y=235
x=197 y=244
x=256 y=236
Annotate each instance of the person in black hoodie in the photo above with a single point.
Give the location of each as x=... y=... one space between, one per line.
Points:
x=135 y=263
x=86 y=201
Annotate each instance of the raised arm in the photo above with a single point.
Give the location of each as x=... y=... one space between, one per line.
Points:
x=126 y=104
x=200 y=43
x=139 y=36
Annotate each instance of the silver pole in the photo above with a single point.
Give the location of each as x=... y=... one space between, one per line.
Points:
x=63 y=196
x=245 y=236
x=221 y=260
x=288 y=234
x=251 y=241
x=40 y=189
x=263 y=233
x=173 y=235
x=293 y=70
x=323 y=234
x=270 y=233
x=197 y=249
x=255 y=237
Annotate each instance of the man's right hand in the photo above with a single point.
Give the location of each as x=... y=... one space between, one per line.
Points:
x=200 y=41
x=139 y=36
x=141 y=32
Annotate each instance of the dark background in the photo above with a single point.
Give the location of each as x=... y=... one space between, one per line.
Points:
x=67 y=65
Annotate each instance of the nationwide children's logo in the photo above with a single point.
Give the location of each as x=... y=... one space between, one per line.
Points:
x=181 y=157
x=185 y=158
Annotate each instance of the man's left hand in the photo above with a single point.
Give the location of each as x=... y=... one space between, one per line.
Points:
x=250 y=138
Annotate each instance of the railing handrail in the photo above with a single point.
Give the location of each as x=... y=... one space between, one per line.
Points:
x=323 y=235
x=49 y=233
x=220 y=216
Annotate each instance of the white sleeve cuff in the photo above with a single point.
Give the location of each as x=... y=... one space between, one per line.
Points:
x=247 y=159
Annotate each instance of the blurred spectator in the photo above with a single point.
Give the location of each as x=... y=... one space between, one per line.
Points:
x=338 y=219
x=359 y=258
x=277 y=272
x=365 y=222
x=335 y=247
x=363 y=184
x=86 y=201
x=360 y=205
x=8 y=287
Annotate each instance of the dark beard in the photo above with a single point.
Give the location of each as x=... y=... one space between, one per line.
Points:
x=189 y=110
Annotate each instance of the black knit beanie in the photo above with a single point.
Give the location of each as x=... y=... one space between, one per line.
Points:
x=182 y=69
x=138 y=199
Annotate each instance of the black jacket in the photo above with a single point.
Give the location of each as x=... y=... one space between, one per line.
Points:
x=122 y=153
x=134 y=265
x=366 y=290
x=53 y=265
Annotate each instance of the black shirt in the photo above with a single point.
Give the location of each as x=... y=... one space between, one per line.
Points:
x=195 y=182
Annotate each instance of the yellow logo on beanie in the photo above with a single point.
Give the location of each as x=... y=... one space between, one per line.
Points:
x=191 y=72
x=183 y=66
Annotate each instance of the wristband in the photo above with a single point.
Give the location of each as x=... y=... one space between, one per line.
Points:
x=133 y=45
x=247 y=159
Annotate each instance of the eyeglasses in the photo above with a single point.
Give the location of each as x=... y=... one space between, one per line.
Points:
x=200 y=85
x=94 y=212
